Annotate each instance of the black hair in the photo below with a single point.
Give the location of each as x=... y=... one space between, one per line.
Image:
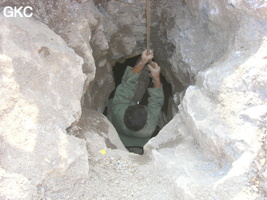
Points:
x=135 y=117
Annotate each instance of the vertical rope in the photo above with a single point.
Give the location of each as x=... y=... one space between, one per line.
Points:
x=148 y=25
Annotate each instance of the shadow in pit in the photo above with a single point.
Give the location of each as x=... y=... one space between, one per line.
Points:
x=118 y=71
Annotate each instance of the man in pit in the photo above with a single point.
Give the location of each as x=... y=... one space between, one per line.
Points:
x=136 y=123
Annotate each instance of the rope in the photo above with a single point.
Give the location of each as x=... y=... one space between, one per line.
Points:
x=148 y=22
x=148 y=25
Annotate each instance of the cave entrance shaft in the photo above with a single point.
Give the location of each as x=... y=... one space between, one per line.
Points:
x=118 y=71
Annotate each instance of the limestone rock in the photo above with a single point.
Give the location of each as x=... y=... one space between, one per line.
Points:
x=125 y=28
x=255 y=8
x=191 y=36
x=98 y=130
x=79 y=24
x=41 y=88
x=225 y=111
x=232 y=91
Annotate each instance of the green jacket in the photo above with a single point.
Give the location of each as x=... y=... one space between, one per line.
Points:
x=123 y=98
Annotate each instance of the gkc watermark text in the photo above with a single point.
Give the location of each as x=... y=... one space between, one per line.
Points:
x=18 y=11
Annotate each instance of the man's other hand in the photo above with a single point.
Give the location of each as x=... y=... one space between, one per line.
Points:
x=155 y=73
x=154 y=69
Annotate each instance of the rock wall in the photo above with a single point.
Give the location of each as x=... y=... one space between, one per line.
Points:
x=232 y=89
x=41 y=84
x=225 y=109
x=79 y=23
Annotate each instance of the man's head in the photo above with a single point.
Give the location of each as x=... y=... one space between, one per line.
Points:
x=135 y=117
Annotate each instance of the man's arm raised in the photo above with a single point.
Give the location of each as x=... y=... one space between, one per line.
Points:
x=145 y=58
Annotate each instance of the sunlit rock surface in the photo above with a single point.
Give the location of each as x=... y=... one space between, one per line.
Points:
x=41 y=87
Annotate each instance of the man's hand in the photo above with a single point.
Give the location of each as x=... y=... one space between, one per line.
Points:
x=155 y=73
x=145 y=58
x=154 y=69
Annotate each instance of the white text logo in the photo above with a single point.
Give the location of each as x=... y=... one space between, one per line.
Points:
x=18 y=12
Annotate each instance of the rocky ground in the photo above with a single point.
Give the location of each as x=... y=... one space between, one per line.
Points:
x=56 y=76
